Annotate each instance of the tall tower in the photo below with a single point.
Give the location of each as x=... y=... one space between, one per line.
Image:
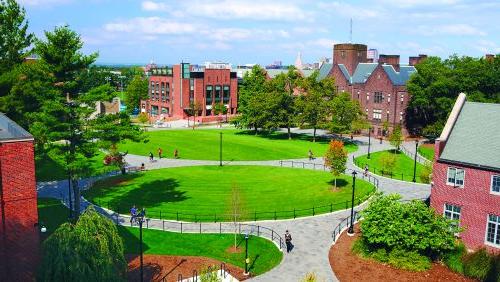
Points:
x=298 y=61
x=350 y=55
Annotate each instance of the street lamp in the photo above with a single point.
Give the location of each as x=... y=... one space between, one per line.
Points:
x=246 y=254
x=415 y=163
x=220 y=150
x=369 y=140
x=141 y=220
x=351 y=227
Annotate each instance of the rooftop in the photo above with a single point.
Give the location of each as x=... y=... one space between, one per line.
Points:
x=364 y=70
x=474 y=137
x=10 y=131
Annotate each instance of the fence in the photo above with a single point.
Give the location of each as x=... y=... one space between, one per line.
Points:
x=420 y=159
x=344 y=224
x=222 y=271
x=390 y=174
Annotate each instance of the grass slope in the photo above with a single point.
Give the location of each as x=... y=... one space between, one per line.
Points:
x=51 y=213
x=403 y=169
x=426 y=151
x=206 y=190
x=203 y=144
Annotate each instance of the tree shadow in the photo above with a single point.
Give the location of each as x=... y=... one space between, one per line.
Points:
x=340 y=182
x=252 y=265
x=275 y=135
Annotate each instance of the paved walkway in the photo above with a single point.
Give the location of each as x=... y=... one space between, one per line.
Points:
x=311 y=235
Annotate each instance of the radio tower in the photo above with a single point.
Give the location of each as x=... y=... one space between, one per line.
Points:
x=350 y=33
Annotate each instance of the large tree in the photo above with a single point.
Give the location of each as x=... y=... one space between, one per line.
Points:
x=137 y=90
x=313 y=104
x=437 y=83
x=345 y=113
x=336 y=158
x=90 y=250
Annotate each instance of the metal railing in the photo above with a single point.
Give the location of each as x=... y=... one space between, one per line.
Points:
x=379 y=171
x=344 y=224
x=224 y=272
x=420 y=158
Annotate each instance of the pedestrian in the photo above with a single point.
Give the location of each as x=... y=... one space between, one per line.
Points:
x=176 y=154
x=143 y=167
x=288 y=241
x=151 y=157
x=366 y=170
x=160 y=151
x=310 y=154
x=133 y=213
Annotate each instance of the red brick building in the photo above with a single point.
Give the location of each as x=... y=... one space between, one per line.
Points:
x=379 y=87
x=19 y=231
x=466 y=175
x=173 y=89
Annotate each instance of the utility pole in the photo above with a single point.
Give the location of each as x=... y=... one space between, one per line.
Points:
x=220 y=150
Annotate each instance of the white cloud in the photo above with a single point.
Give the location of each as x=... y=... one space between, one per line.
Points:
x=487 y=47
x=43 y=3
x=350 y=11
x=418 y=3
x=154 y=6
x=450 y=29
x=150 y=25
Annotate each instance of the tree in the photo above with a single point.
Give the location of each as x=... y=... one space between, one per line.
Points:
x=385 y=127
x=345 y=112
x=15 y=39
x=236 y=210
x=90 y=250
x=396 y=138
x=136 y=91
x=336 y=158
x=388 y=162
x=313 y=105
x=194 y=110
x=143 y=119
x=220 y=109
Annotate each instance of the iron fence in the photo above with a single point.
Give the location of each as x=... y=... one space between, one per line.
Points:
x=420 y=158
x=390 y=174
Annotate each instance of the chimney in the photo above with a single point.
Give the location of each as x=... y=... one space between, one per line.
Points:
x=489 y=57
x=350 y=55
x=413 y=61
x=392 y=60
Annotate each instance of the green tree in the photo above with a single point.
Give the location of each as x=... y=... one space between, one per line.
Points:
x=137 y=90
x=336 y=158
x=14 y=36
x=313 y=104
x=388 y=163
x=193 y=111
x=396 y=137
x=220 y=109
x=143 y=119
x=345 y=113
x=90 y=250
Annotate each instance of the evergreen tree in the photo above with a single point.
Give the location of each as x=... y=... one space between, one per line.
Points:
x=137 y=90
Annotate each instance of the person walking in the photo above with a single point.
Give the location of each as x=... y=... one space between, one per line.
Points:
x=160 y=151
x=366 y=171
x=288 y=241
x=310 y=154
x=151 y=157
x=133 y=213
x=176 y=154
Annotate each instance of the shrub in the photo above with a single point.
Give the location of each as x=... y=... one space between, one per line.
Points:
x=388 y=162
x=209 y=274
x=425 y=174
x=453 y=259
x=361 y=248
x=482 y=266
x=412 y=261
x=310 y=277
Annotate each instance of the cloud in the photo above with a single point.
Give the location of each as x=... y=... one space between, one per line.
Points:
x=449 y=29
x=150 y=25
x=418 y=3
x=487 y=47
x=350 y=11
x=42 y=3
x=230 y=34
x=154 y=6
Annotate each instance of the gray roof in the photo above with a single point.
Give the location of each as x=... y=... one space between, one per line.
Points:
x=324 y=71
x=401 y=77
x=345 y=72
x=364 y=70
x=272 y=73
x=11 y=131
x=475 y=137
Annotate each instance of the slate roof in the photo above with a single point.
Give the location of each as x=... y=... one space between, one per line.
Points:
x=11 y=131
x=475 y=136
x=324 y=71
x=401 y=77
x=364 y=70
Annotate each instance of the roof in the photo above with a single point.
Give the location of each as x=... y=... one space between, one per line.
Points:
x=364 y=70
x=401 y=77
x=272 y=73
x=474 y=136
x=324 y=71
x=11 y=131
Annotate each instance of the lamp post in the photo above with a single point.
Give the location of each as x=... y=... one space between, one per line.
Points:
x=415 y=163
x=351 y=227
x=369 y=140
x=141 y=220
x=220 y=150
x=246 y=254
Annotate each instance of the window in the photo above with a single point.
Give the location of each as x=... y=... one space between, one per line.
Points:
x=154 y=110
x=164 y=110
x=191 y=90
x=493 y=230
x=209 y=95
x=167 y=92
x=218 y=94
x=226 y=94
x=452 y=212
x=377 y=114
x=379 y=97
x=456 y=177
x=495 y=184
x=342 y=54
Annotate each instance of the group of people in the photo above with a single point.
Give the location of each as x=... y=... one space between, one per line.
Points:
x=137 y=215
x=160 y=154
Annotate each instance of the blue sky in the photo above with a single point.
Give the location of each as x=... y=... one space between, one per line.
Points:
x=262 y=31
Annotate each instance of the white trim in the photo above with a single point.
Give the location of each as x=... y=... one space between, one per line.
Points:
x=486 y=233
x=455 y=184
x=491 y=185
x=452 y=119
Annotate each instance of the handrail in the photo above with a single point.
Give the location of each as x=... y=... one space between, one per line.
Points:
x=374 y=169
x=420 y=158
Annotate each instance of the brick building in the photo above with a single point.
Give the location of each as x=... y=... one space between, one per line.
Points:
x=19 y=231
x=466 y=175
x=173 y=89
x=379 y=87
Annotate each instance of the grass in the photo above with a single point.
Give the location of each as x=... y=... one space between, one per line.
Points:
x=203 y=144
x=426 y=151
x=203 y=193
x=403 y=169
x=263 y=254
x=47 y=169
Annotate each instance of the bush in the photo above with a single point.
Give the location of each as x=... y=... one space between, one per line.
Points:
x=412 y=261
x=310 y=277
x=425 y=174
x=361 y=248
x=388 y=162
x=482 y=266
x=453 y=259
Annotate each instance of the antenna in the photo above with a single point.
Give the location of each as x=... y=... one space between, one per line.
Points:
x=350 y=33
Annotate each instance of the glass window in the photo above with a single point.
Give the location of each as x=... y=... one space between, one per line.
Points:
x=167 y=88
x=218 y=94
x=452 y=212
x=209 y=95
x=164 y=110
x=379 y=97
x=495 y=184
x=154 y=110
x=226 y=94
x=377 y=114
x=455 y=176
x=493 y=230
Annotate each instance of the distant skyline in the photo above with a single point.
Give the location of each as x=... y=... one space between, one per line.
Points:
x=257 y=31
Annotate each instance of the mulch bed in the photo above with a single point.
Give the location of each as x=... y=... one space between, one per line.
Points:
x=427 y=145
x=347 y=266
x=159 y=267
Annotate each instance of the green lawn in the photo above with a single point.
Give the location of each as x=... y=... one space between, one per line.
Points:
x=47 y=169
x=403 y=169
x=426 y=151
x=264 y=255
x=203 y=193
x=203 y=144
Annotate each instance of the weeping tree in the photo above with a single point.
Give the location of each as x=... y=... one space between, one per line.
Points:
x=90 y=250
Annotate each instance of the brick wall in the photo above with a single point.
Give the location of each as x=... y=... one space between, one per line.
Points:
x=18 y=209
x=474 y=198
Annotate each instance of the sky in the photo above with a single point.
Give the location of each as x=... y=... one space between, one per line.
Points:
x=264 y=31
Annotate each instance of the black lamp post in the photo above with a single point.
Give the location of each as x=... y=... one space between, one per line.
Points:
x=246 y=254
x=220 y=150
x=415 y=163
x=351 y=227
x=141 y=220
x=369 y=140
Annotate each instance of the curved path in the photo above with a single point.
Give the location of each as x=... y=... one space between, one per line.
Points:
x=311 y=235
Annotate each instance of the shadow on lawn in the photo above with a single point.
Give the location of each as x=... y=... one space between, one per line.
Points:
x=284 y=136
x=340 y=182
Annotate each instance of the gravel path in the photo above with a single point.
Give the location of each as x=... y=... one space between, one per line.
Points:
x=311 y=235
